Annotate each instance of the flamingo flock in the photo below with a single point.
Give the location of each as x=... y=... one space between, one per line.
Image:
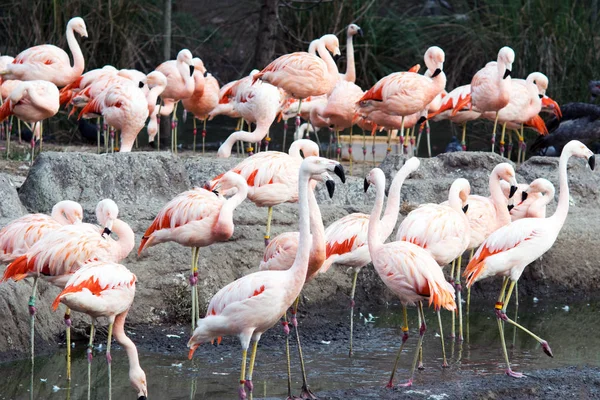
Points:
x=505 y=231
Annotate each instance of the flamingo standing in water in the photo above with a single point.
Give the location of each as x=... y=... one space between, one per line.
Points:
x=442 y=230
x=19 y=235
x=198 y=218
x=254 y=303
x=407 y=270
x=105 y=289
x=507 y=251
x=347 y=240
x=272 y=177
x=48 y=62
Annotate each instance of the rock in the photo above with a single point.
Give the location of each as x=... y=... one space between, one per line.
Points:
x=10 y=205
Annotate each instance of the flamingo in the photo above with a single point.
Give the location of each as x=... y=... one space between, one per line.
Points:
x=105 y=289
x=443 y=230
x=350 y=74
x=507 y=251
x=68 y=92
x=303 y=74
x=198 y=218
x=252 y=304
x=534 y=199
x=19 y=235
x=56 y=257
x=272 y=177
x=156 y=83
x=225 y=105
x=346 y=239
x=490 y=87
x=201 y=103
x=32 y=102
x=48 y=62
x=124 y=106
x=4 y=61
x=407 y=270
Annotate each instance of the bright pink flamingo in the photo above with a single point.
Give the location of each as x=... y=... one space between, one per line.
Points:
x=407 y=270
x=198 y=218
x=254 y=303
x=19 y=235
x=201 y=103
x=48 y=62
x=272 y=177
x=346 y=239
x=105 y=289
x=490 y=87
x=443 y=230
x=507 y=251
x=56 y=257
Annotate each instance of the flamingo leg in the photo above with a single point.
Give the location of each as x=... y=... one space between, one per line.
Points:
x=364 y=150
x=510 y=146
x=439 y=315
x=502 y=139
x=285 y=129
x=404 y=339
x=203 y=137
x=516 y=312
x=420 y=350
x=498 y=309
x=176 y=122
x=286 y=330
x=19 y=129
x=389 y=145
x=32 y=321
x=193 y=282
x=89 y=357
x=306 y=393
x=249 y=385
x=41 y=134
x=354 y=278
x=373 y=148
x=338 y=145
x=350 y=149
x=428 y=132
x=402 y=135
x=459 y=293
x=195 y=131
x=33 y=142
x=196 y=286
x=8 y=132
x=268 y=234
x=109 y=359
x=419 y=133
x=453 y=332
x=469 y=290
x=68 y=335
x=242 y=389
x=422 y=329
x=494 y=131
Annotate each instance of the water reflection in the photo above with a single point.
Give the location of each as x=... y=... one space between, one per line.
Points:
x=213 y=373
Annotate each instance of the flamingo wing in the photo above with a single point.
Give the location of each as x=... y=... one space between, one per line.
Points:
x=281 y=252
x=19 y=235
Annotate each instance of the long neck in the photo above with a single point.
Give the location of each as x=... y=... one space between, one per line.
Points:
x=225 y=221
x=392 y=208
x=317 y=252
x=126 y=239
x=504 y=83
x=454 y=200
x=252 y=137
x=128 y=345
x=300 y=265
x=350 y=67
x=188 y=80
x=78 y=61
x=375 y=240
x=325 y=56
x=499 y=200
x=562 y=209
x=152 y=97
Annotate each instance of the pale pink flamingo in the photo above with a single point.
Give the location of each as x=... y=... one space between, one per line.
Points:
x=490 y=87
x=225 y=105
x=350 y=74
x=302 y=74
x=48 y=62
x=279 y=255
x=443 y=230
x=32 y=102
x=55 y=257
x=346 y=239
x=105 y=289
x=123 y=106
x=4 y=61
x=254 y=303
x=533 y=199
x=507 y=251
x=407 y=270
x=198 y=218
x=272 y=177
x=19 y=235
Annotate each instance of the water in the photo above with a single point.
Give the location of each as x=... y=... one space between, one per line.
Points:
x=215 y=370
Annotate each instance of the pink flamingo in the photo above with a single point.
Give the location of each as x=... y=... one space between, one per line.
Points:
x=68 y=92
x=490 y=87
x=254 y=303
x=56 y=257
x=225 y=105
x=303 y=74
x=48 y=62
x=272 y=177
x=350 y=74
x=533 y=199
x=507 y=251
x=346 y=239
x=443 y=230
x=4 y=61
x=198 y=218
x=156 y=83
x=19 y=235
x=105 y=289
x=407 y=270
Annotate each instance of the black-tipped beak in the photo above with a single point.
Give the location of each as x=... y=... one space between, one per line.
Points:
x=366 y=185
x=215 y=192
x=524 y=196
x=339 y=171
x=592 y=162
x=360 y=32
x=541 y=96
x=106 y=232
x=436 y=73
x=465 y=208
x=506 y=74
x=386 y=192
x=141 y=84
x=421 y=120
x=336 y=57
x=330 y=188
x=510 y=207
x=191 y=70
x=142 y=398
x=513 y=190
x=205 y=74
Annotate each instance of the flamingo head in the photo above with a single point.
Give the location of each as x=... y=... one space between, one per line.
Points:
x=137 y=378
x=199 y=65
x=106 y=213
x=580 y=150
x=539 y=185
x=506 y=57
x=540 y=80
x=185 y=56
x=316 y=166
x=506 y=172
x=374 y=177
x=354 y=29
x=332 y=44
x=156 y=78
x=461 y=189
x=434 y=60
x=78 y=26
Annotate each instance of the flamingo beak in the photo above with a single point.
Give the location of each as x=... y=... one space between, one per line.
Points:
x=360 y=32
x=548 y=103
x=592 y=162
x=524 y=196
x=510 y=207
x=339 y=171
x=141 y=84
x=191 y=70
x=513 y=190
x=366 y=185
x=465 y=208
x=506 y=74
x=330 y=187
x=436 y=72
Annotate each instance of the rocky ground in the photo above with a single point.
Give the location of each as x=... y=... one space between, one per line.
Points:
x=142 y=182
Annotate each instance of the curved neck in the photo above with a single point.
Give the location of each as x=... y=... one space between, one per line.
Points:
x=58 y=215
x=188 y=80
x=350 y=75
x=499 y=200
x=300 y=265
x=225 y=221
x=78 y=61
x=152 y=97
x=252 y=137
x=126 y=238
x=392 y=208
x=374 y=239
x=562 y=209
x=325 y=56
x=128 y=345
x=454 y=199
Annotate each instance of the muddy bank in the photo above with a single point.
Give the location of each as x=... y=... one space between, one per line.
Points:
x=141 y=183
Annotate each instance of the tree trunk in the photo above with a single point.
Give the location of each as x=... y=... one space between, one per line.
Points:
x=266 y=38
x=167 y=35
